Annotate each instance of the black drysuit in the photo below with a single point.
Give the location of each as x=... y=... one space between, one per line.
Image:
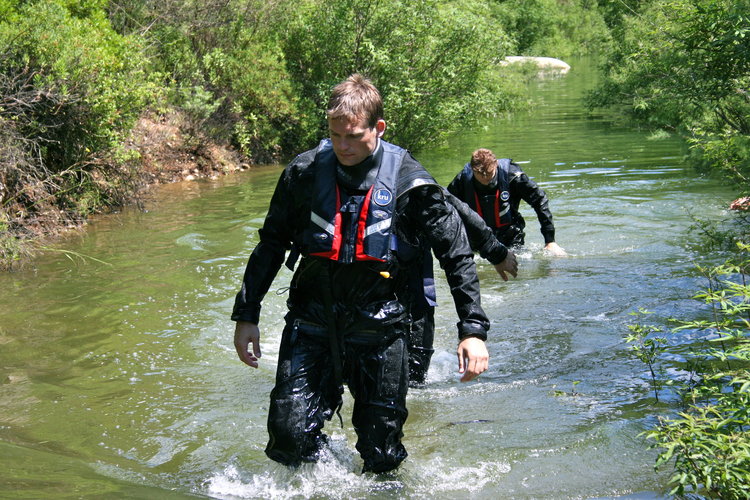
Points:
x=365 y=303
x=422 y=329
x=519 y=187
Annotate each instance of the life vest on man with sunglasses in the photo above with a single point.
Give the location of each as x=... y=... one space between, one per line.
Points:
x=495 y=209
x=374 y=239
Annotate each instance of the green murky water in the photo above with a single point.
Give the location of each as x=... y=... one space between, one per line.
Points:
x=118 y=378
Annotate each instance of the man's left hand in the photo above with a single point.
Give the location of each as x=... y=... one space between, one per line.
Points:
x=473 y=358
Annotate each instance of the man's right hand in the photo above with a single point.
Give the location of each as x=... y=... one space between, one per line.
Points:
x=246 y=333
x=509 y=265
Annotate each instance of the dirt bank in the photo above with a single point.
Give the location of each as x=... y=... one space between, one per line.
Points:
x=168 y=154
x=32 y=212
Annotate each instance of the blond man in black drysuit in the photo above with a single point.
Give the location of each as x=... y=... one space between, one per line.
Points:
x=358 y=209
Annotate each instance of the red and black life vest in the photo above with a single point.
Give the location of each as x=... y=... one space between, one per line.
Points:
x=500 y=213
x=374 y=240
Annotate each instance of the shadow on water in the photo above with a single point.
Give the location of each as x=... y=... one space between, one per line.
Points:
x=118 y=377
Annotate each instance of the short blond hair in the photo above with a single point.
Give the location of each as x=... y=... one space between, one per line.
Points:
x=354 y=99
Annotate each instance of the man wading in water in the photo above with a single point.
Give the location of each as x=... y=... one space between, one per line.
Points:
x=357 y=209
x=494 y=189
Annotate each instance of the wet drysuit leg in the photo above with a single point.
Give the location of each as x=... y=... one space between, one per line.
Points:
x=421 y=338
x=377 y=376
x=305 y=394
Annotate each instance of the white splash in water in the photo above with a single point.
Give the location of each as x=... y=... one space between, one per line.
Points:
x=336 y=475
x=443 y=477
x=443 y=366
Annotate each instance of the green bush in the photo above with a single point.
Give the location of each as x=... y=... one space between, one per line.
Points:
x=708 y=443
x=727 y=154
x=685 y=65
x=71 y=90
x=97 y=76
x=224 y=66
x=258 y=95
x=552 y=28
x=434 y=63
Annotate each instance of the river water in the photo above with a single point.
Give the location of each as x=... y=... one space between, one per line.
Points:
x=118 y=378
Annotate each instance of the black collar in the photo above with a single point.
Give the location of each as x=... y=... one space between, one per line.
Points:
x=362 y=175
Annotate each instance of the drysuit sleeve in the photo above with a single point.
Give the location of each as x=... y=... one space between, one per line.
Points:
x=454 y=188
x=441 y=226
x=527 y=190
x=268 y=255
x=481 y=237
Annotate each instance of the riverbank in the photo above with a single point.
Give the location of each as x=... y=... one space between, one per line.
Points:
x=160 y=150
x=169 y=154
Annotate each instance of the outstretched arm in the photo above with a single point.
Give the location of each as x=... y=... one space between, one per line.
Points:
x=483 y=240
x=440 y=223
x=523 y=187
x=267 y=257
x=261 y=269
x=447 y=237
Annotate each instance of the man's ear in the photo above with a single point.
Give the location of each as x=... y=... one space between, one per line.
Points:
x=380 y=127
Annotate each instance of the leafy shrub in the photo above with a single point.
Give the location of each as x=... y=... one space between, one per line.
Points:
x=708 y=442
x=685 y=65
x=70 y=90
x=224 y=66
x=647 y=347
x=97 y=75
x=258 y=97
x=552 y=28
x=435 y=64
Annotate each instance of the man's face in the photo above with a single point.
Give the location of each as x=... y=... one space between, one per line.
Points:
x=485 y=174
x=353 y=141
